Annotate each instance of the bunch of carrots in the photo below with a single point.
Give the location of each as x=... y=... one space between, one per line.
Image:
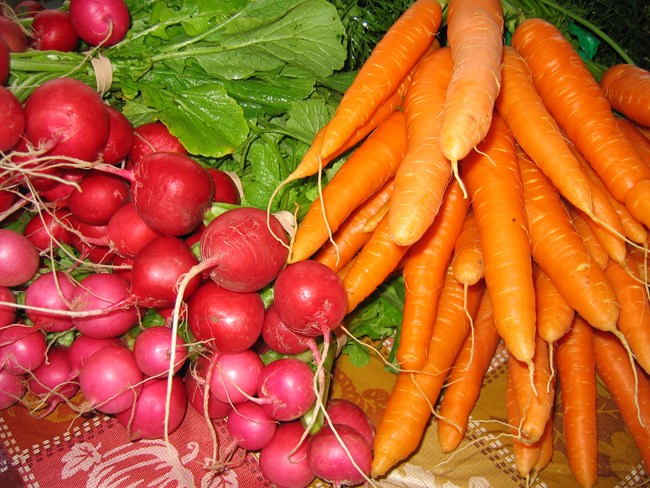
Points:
x=512 y=191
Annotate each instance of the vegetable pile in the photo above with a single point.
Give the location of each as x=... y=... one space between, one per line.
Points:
x=202 y=201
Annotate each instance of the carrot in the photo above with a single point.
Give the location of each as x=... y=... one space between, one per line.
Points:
x=554 y=314
x=410 y=403
x=467 y=262
x=424 y=174
x=545 y=447
x=424 y=273
x=376 y=260
x=637 y=201
x=627 y=87
x=370 y=166
x=474 y=34
x=352 y=234
x=538 y=134
x=614 y=368
x=595 y=248
x=535 y=404
x=492 y=177
x=578 y=104
x=577 y=372
x=466 y=377
x=561 y=253
x=634 y=316
x=640 y=142
x=389 y=63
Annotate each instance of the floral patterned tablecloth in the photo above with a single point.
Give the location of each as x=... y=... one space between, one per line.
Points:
x=72 y=451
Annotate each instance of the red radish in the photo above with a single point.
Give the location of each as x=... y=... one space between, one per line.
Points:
x=22 y=348
x=49 y=229
x=152 y=350
x=59 y=192
x=110 y=379
x=53 y=381
x=234 y=378
x=53 y=291
x=286 y=389
x=85 y=346
x=329 y=460
x=67 y=118
x=19 y=259
x=225 y=189
x=5 y=60
x=284 y=460
x=250 y=426
x=150 y=138
x=100 y=22
x=36 y=174
x=167 y=313
x=241 y=252
x=127 y=232
x=99 y=196
x=52 y=30
x=342 y=411
x=91 y=241
x=28 y=8
x=146 y=419
x=108 y=292
x=120 y=137
x=12 y=120
x=7 y=312
x=195 y=381
x=157 y=268
x=278 y=337
x=12 y=389
x=225 y=320
x=13 y=35
x=122 y=266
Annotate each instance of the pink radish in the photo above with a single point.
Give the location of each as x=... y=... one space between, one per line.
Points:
x=250 y=426
x=7 y=312
x=85 y=346
x=342 y=411
x=235 y=376
x=51 y=291
x=12 y=388
x=152 y=351
x=195 y=381
x=100 y=22
x=22 y=348
x=19 y=259
x=48 y=230
x=53 y=381
x=286 y=389
x=284 y=460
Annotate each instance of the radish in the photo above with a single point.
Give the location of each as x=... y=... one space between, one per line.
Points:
x=336 y=464
x=120 y=137
x=28 y=8
x=13 y=35
x=225 y=320
x=98 y=197
x=152 y=351
x=241 y=252
x=58 y=193
x=150 y=138
x=12 y=120
x=19 y=259
x=22 y=348
x=107 y=292
x=285 y=389
x=110 y=379
x=284 y=460
x=171 y=192
x=12 y=389
x=235 y=376
x=195 y=381
x=278 y=337
x=52 y=30
x=53 y=381
x=225 y=189
x=147 y=418
x=127 y=232
x=250 y=426
x=157 y=268
x=66 y=117
x=52 y=291
x=85 y=346
x=91 y=241
x=49 y=229
x=100 y=22
x=5 y=61
x=7 y=312
x=342 y=411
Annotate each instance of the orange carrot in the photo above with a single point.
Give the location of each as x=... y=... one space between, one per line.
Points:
x=634 y=316
x=562 y=254
x=637 y=201
x=545 y=447
x=390 y=61
x=474 y=33
x=424 y=273
x=467 y=261
x=363 y=173
x=352 y=234
x=464 y=382
x=424 y=174
x=492 y=176
x=614 y=368
x=412 y=399
x=537 y=132
x=578 y=104
x=554 y=314
x=581 y=225
x=577 y=373
x=627 y=87
x=640 y=142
